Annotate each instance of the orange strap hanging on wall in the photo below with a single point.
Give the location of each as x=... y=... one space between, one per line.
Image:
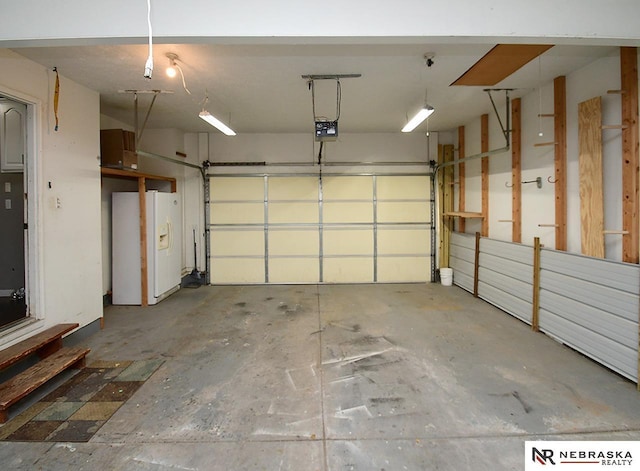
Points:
x=56 y=97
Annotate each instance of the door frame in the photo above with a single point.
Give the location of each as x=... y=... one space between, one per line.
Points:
x=33 y=250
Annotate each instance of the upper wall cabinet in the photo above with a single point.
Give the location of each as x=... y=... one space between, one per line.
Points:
x=13 y=136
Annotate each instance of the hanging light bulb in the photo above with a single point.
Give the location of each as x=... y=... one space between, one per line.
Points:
x=171 y=70
x=174 y=68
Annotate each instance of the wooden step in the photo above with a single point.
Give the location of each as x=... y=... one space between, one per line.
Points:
x=44 y=344
x=14 y=389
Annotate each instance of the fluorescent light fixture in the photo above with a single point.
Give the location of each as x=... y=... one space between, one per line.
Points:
x=216 y=123
x=418 y=118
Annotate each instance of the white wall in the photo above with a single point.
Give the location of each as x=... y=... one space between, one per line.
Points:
x=538 y=205
x=473 y=174
x=499 y=174
x=302 y=149
x=65 y=168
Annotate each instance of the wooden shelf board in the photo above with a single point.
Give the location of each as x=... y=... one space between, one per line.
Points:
x=123 y=173
x=463 y=214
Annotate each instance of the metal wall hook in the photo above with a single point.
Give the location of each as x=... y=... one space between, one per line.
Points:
x=553 y=182
x=537 y=181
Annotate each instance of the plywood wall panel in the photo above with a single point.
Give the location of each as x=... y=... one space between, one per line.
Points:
x=591 y=185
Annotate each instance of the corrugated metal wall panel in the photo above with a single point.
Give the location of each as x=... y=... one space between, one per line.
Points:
x=601 y=297
x=505 y=277
x=507 y=250
x=462 y=259
x=460 y=239
x=581 y=314
x=601 y=349
x=520 y=271
x=622 y=276
x=513 y=305
x=592 y=305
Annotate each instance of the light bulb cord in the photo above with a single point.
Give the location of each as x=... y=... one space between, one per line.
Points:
x=148 y=66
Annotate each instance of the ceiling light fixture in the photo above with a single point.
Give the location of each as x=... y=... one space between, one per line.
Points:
x=427 y=109
x=173 y=67
x=420 y=116
x=216 y=123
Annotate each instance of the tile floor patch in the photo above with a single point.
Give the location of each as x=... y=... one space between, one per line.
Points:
x=85 y=382
x=77 y=409
x=76 y=431
x=58 y=411
x=96 y=411
x=140 y=370
x=116 y=391
x=36 y=431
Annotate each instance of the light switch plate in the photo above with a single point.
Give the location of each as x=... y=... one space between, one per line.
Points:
x=7 y=187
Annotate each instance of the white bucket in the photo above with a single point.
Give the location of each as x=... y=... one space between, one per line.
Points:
x=446 y=276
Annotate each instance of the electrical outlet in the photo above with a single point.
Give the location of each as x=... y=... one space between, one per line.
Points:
x=58 y=202
x=7 y=204
x=7 y=187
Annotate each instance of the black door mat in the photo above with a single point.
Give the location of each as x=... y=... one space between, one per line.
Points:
x=76 y=410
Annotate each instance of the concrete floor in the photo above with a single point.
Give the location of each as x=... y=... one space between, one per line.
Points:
x=363 y=377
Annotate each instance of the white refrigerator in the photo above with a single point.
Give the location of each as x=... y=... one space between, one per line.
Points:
x=164 y=246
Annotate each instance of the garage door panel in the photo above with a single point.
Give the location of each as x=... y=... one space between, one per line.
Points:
x=403 y=211
x=347 y=188
x=297 y=270
x=347 y=212
x=294 y=212
x=294 y=242
x=348 y=269
x=237 y=270
x=293 y=188
x=345 y=229
x=404 y=269
x=237 y=189
x=403 y=187
x=398 y=240
x=237 y=213
x=237 y=242
x=344 y=241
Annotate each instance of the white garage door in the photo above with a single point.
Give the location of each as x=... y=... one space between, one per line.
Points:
x=307 y=229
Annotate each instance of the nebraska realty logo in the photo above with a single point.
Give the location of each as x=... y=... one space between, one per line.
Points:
x=582 y=455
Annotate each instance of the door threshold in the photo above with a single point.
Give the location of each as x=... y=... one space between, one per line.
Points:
x=18 y=329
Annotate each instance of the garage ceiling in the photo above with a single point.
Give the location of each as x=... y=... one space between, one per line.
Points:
x=258 y=88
